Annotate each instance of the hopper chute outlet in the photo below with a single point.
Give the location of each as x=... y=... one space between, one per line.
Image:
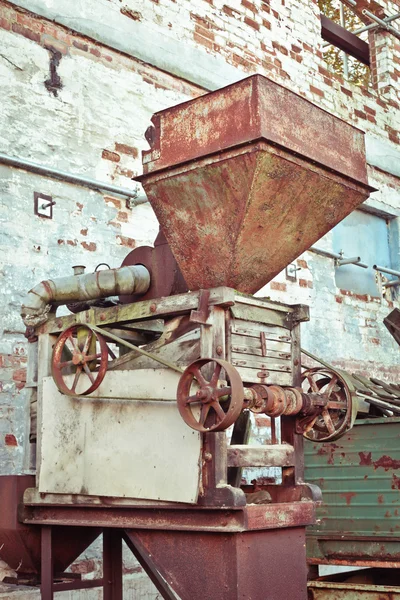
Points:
x=245 y=179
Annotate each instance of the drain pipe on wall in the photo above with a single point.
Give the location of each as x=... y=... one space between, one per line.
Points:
x=27 y=165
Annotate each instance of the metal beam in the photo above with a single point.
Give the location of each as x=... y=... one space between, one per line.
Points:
x=345 y=40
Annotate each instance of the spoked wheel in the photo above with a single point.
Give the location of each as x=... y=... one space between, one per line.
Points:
x=79 y=361
x=336 y=417
x=210 y=395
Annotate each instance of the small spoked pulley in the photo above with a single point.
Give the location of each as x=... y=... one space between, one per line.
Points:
x=79 y=362
x=336 y=415
x=210 y=395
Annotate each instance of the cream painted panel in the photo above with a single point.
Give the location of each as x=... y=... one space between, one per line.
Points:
x=118 y=447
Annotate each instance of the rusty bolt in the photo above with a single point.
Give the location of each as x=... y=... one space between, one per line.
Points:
x=262 y=374
x=296 y=362
x=102 y=316
x=219 y=350
x=207 y=456
x=59 y=324
x=153 y=308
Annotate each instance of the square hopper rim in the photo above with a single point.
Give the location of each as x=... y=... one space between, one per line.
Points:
x=256 y=90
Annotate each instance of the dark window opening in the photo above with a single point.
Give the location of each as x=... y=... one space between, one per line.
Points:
x=346 y=53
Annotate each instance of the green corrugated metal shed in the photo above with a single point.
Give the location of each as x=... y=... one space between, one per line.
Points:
x=359 y=476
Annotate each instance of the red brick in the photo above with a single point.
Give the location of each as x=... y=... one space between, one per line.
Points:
x=203 y=41
x=369 y=110
x=135 y=15
x=19 y=375
x=125 y=172
x=360 y=114
x=266 y=24
x=10 y=440
x=95 y=52
x=317 y=91
x=375 y=341
x=277 y=285
x=125 y=149
x=249 y=6
x=108 y=155
x=126 y=241
x=84 y=231
x=231 y=12
x=204 y=32
x=302 y=263
x=28 y=33
x=339 y=299
x=252 y=23
x=122 y=216
x=30 y=23
x=303 y=283
x=91 y=246
x=262 y=421
x=117 y=203
x=4 y=24
x=202 y=21
x=346 y=91
x=80 y=45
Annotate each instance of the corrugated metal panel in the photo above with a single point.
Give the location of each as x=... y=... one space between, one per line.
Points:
x=359 y=476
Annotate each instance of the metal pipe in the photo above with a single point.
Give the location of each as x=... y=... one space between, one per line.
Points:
x=344 y=55
x=381 y=23
x=27 y=165
x=338 y=257
x=392 y=283
x=386 y=270
x=348 y=261
x=39 y=300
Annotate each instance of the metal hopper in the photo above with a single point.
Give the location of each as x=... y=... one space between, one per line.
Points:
x=245 y=179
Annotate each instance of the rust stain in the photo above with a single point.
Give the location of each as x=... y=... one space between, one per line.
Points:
x=348 y=497
x=365 y=459
x=386 y=462
x=381 y=499
x=395 y=482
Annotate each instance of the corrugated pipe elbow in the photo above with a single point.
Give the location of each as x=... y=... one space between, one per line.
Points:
x=75 y=288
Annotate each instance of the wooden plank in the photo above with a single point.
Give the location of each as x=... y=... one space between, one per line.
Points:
x=241 y=327
x=148 y=309
x=250 y=344
x=279 y=455
x=261 y=315
x=264 y=362
x=249 y=375
x=253 y=301
x=271 y=354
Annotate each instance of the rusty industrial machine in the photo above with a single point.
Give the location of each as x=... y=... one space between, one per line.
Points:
x=141 y=406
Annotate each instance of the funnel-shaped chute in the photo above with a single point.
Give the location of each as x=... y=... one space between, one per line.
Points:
x=245 y=179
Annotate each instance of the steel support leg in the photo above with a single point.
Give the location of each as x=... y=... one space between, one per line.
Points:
x=112 y=565
x=46 y=580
